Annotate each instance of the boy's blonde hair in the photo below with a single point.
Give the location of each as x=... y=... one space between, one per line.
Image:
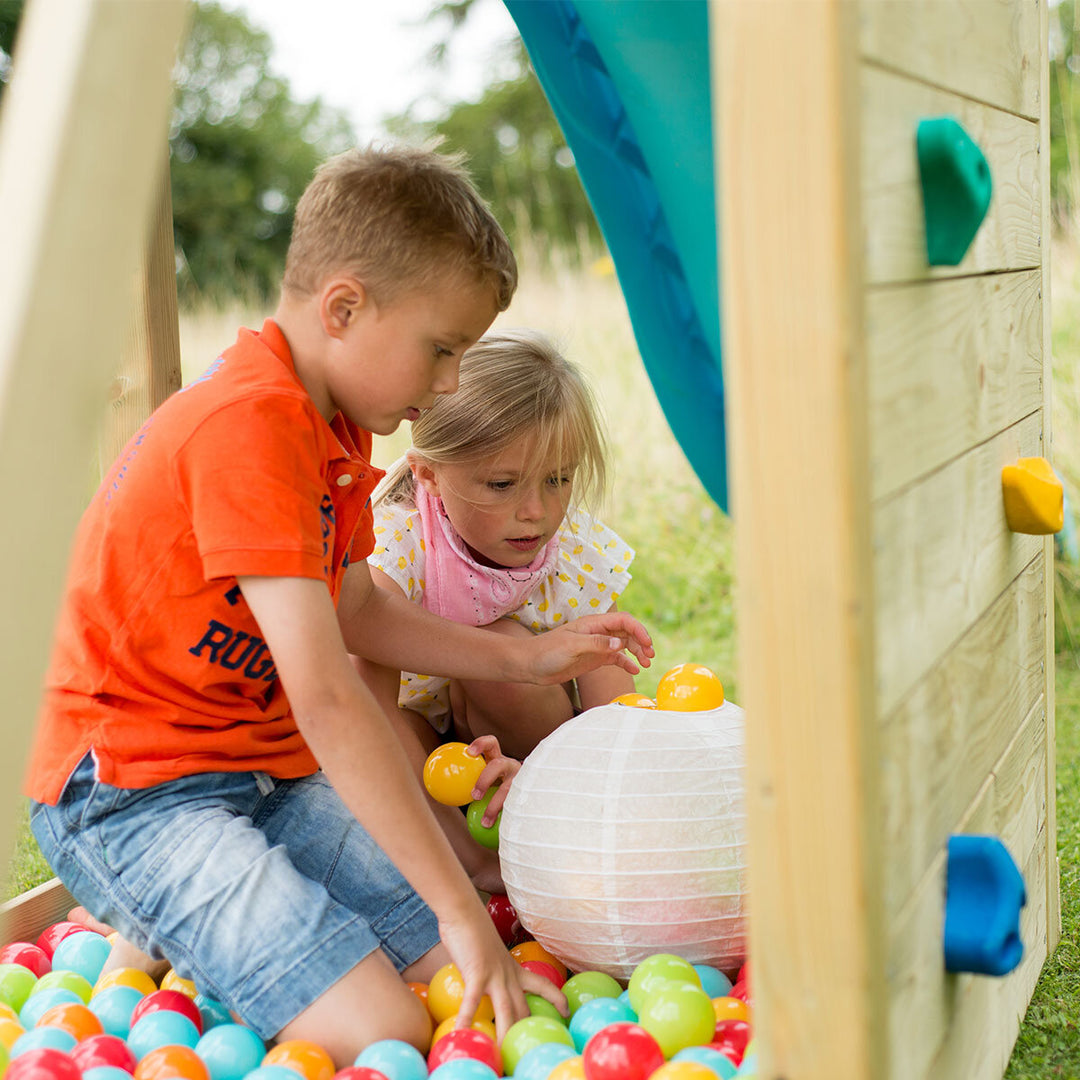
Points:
x=512 y=383
x=398 y=218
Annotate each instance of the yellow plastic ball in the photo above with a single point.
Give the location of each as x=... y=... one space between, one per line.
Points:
x=10 y=1030
x=683 y=1070
x=171 y=981
x=450 y=774
x=308 y=1059
x=689 y=688
x=7 y=1012
x=445 y=993
x=637 y=701
x=486 y=1026
x=569 y=1069
x=126 y=977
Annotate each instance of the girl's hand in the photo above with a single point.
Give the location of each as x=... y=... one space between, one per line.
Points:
x=499 y=770
x=586 y=644
x=488 y=968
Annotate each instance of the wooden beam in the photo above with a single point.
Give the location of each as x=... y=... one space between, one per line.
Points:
x=81 y=131
x=786 y=129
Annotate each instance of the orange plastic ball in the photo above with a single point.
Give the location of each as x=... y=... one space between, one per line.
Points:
x=637 y=701
x=533 y=950
x=486 y=1026
x=172 y=1063
x=689 y=688
x=10 y=1030
x=126 y=977
x=729 y=1008
x=568 y=1069
x=450 y=774
x=74 y=1018
x=420 y=990
x=172 y=981
x=308 y=1059
x=445 y=993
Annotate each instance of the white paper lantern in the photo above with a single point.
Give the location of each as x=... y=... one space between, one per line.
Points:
x=624 y=835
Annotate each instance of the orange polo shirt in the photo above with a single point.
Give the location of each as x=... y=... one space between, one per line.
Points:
x=158 y=665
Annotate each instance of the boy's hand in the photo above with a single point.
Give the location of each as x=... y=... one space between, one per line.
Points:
x=586 y=644
x=488 y=968
x=499 y=769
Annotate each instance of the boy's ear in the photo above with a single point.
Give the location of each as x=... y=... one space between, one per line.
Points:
x=424 y=475
x=340 y=303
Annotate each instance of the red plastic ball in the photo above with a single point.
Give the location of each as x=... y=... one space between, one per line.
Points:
x=104 y=1050
x=359 y=1072
x=741 y=991
x=465 y=1043
x=542 y=968
x=504 y=917
x=731 y=1037
x=172 y=1000
x=30 y=956
x=621 y=1051
x=43 y=1064
x=51 y=936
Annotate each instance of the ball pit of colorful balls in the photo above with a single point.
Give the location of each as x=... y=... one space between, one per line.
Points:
x=673 y=1021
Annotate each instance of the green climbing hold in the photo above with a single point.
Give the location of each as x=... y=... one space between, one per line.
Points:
x=956 y=188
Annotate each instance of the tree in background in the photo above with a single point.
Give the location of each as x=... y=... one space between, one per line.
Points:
x=241 y=152
x=516 y=151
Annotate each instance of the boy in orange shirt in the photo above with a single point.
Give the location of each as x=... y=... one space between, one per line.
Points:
x=210 y=775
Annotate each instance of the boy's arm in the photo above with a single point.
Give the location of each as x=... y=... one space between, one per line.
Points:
x=395 y=632
x=354 y=743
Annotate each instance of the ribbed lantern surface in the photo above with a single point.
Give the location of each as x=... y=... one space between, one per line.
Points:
x=624 y=835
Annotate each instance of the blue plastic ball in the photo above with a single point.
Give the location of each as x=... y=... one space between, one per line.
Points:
x=84 y=953
x=113 y=1007
x=106 y=1072
x=212 y=1012
x=597 y=1014
x=720 y=1064
x=38 y=1004
x=395 y=1059
x=714 y=982
x=41 y=1038
x=537 y=1063
x=230 y=1051
x=464 y=1069
x=162 y=1028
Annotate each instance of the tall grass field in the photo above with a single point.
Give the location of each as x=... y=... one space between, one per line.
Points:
x=684 y=576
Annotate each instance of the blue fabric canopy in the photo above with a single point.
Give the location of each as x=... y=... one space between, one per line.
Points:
x=628 y=81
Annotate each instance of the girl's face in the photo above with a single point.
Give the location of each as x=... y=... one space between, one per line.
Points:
x=506 y=507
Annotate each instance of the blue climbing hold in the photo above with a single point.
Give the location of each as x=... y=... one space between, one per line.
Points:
x=984 y=894
x=956 y=188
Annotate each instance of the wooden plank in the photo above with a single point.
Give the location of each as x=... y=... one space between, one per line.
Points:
x=795 y=377
x=1053 y=904
x=942 y=554
x=950 y=364
x=150 y=368
x=984 y=49
x=1010 y=237
x=942 y=741
x=25 y=916
x=81 y=132
x=947 y=1011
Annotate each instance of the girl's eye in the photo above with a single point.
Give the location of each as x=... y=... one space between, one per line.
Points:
x=441 y=352
x=500 y=485
x=560 y=481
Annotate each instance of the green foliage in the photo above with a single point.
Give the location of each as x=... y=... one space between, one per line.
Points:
x=1064 y=111
x=10 y=13
x=241 y=153
x=516 y=153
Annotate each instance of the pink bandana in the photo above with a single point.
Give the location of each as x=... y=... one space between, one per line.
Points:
x=457 y=587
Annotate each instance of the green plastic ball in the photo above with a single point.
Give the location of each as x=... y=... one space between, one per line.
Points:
x=539 y=1006
x=530 y=1032
x=656 y=969
x=481 y=833
x=69 y=980
x=678 y=1015
x=16 y=983
x=586 y=985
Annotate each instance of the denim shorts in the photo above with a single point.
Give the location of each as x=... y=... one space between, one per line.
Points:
x=264 y=892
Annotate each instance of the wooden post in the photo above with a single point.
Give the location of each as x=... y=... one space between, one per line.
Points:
x=81 y=131
x=786 y=133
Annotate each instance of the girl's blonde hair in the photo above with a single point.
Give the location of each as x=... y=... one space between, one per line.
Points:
x=512 y=383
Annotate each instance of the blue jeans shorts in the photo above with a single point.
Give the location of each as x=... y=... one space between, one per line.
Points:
x=264 y=892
